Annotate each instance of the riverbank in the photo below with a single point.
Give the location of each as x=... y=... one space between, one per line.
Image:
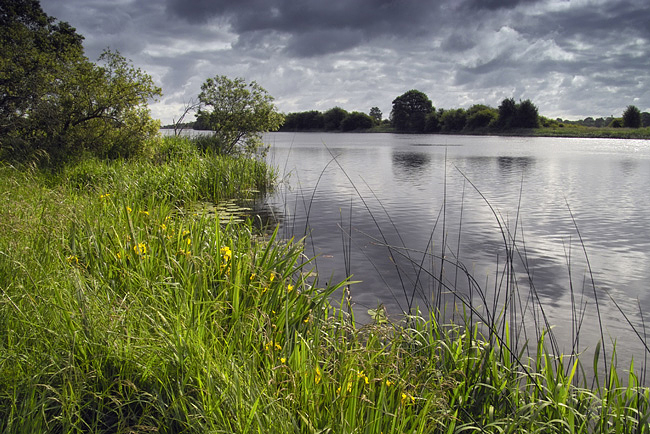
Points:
x=123 y=311
x=566 y=130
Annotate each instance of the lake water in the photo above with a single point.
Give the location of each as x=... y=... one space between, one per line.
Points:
x=574 y=213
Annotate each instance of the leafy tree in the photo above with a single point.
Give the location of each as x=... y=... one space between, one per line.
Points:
x=238 y=113
x=513 y=115
x=303 y=121
x=480 y=116
x=453 y=120
x=410 y=111
x=34 y=49
x=632 y=117
x=645 y=119
x=333 y=117
x=527 y=115
x=356 y=121
x=616 y=123
x=432 y=121
x=55 y=105
x=376 y=115
x=507 y=113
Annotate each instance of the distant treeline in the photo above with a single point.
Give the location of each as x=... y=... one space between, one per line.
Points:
x=413 y=112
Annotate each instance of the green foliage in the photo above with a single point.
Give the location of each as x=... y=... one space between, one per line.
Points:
x=356 y=121
x=517 y=115
x=312 y=120
x=616 y=123
x=453 y=120
x=376 y=115
x=632 y=117
x=238 y=113
x=645 y=119
x=55 y=105
x=432 y=123
x=410 y=111
x=333 y=117
x=480 y=116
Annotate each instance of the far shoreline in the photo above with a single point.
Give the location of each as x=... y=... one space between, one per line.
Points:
x=560 y=132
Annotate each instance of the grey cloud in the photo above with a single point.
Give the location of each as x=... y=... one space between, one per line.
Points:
x=571 y=58
x=496 y=4
x=324 y=41
x=315 y=27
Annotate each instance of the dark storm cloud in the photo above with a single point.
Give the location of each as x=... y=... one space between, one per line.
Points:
x=496 y=4
x=315 y=27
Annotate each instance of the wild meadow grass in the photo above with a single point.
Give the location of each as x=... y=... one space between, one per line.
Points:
x=122 y=312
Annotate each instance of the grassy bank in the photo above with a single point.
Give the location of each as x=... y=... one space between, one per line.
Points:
x=122 y=312
x=566 y=130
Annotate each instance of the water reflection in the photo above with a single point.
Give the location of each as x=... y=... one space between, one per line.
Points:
x=398 y=234
x=515 y=165
x=410 y=166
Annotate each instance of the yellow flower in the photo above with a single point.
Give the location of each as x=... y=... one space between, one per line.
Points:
x=272 y=345
x=163 y=227
x=118 y=255
x=144 y=212
x=189 y=241
x=289 y=288
x=128 y=209
x=226 y=253
x=360 y=374
x=389 y=383
x=252 y=276
x=104 y=196
x=72 y=259
x=283 y=360
x=272 y=277
x=317 y=377
x=140 y=249
x=186 y=232
x=264 y=289
x=406 y=397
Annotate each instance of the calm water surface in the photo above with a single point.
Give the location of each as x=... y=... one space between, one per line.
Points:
x=564 y=206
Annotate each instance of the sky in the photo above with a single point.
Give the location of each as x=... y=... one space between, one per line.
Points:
x=571 y=58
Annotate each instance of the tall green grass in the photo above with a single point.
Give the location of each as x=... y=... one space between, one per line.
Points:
x=121 y=313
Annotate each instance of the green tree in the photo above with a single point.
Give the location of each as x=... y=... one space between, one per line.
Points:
x=507 y=113
x=303 y=121
x=513 y=115
x=527 y=115
x=410 y=111
x=356 y=121
x=480 y=116
x=432 y=121
x=632 y=117
x=645 y=119
x=333 y=117
x=615 y=123
x=55 y=105
x=453 y=120
x=238 y=113
x=376 y=115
